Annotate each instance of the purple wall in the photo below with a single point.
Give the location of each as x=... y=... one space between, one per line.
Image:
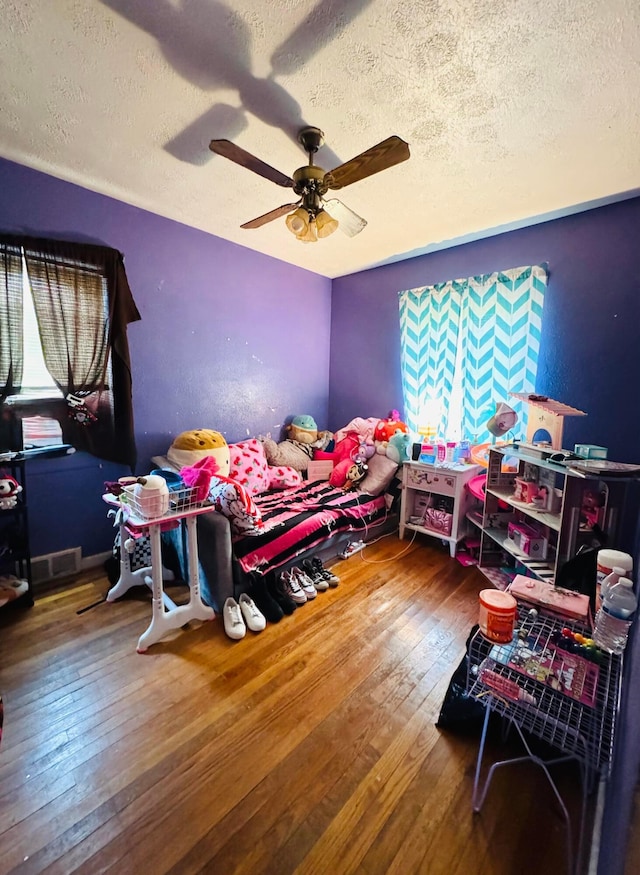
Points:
x=223 y=334
x=589 y=358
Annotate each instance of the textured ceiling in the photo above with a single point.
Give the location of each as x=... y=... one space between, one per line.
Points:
x=513 y=109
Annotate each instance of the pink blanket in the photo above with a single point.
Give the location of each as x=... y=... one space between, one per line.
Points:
x=301 y=518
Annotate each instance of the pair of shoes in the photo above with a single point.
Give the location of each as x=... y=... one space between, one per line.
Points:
x=305 y=583
x=278 y=592
x=317 y=579
x=323 y=572
x=236 y=614
x=260 y=594
x=315 y=576
x=292 y=588
x=11 y=588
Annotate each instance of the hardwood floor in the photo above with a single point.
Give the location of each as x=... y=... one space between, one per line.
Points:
x=309 y=748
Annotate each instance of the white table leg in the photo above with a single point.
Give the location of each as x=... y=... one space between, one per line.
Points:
x=200 y=610
x=129 y=578
x=163 y=621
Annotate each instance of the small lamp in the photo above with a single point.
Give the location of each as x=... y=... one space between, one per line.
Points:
x=298 y=221
x=325 y=223
x=310 y=236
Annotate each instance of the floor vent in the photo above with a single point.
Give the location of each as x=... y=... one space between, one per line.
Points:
x=56 y=565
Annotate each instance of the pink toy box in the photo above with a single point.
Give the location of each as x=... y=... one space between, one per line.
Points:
x=528 y=540
x=564 y=602
x=525 y=490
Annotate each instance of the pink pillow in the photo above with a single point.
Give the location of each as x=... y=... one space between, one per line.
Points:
x=282 y=477
x=248 y=466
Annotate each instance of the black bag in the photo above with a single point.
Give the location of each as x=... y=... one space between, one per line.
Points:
x=460 y=712
x=580 y=573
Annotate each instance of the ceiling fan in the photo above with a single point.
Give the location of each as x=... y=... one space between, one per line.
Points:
x=307 y=217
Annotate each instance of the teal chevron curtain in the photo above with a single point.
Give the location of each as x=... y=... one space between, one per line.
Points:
x=466 y=344
x=429 y=329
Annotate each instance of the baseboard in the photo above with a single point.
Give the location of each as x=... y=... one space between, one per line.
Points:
x=45 y=572
x=95 y=561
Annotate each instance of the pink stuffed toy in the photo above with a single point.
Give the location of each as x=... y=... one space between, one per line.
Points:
x=199 y=476
x=338 y=476
x=352 y=446
x=347 y=474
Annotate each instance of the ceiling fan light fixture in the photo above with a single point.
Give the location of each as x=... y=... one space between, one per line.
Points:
x=298 y=221
x=310 y=183
x=310 y=235
x=325 y=223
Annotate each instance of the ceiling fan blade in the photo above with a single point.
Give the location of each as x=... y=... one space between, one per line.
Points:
x=391 y=151
x=269 y=217
x=349 y=223
x=245 y=159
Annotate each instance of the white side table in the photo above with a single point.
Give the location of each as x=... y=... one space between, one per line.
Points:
x=435 y=501
x=165 y=615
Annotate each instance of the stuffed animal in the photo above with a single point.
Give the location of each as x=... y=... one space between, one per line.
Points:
x=297 y=449
x=386 y=428
x=355 y=474
x=398 y=447
x=347 y=474
x=190 y=447
x=198 y=476
x=352 y=446
x=304 y=430
x=9 y=491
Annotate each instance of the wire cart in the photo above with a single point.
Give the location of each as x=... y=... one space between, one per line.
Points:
x=548 y=685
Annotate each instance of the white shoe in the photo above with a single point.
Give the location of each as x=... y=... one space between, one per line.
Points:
x=233 y=623
x=293 y=588
x=305 y=582
x=252 y=616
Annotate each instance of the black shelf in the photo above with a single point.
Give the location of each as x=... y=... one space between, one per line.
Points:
x=15 y=552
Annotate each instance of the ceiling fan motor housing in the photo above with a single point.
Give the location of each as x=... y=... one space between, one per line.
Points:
x=309 y=183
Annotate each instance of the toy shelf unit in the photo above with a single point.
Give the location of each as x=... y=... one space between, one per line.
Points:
x=538 y=513
x=435 y=500
x=564 y=696
x=15 y=556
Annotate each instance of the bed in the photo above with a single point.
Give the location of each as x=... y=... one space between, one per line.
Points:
x=301 y=518
x=311 y=518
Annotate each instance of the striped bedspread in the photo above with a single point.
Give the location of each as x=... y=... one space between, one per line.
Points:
x=300 y=518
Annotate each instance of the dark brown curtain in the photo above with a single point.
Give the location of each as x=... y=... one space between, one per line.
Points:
x=10 y=319
x=83 y=305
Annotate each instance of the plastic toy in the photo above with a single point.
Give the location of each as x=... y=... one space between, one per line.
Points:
x=9 y=491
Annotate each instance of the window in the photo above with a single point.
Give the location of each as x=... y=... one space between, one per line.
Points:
x=64 y=359
x=37 y=382
x=465 y=345
x=36 y=379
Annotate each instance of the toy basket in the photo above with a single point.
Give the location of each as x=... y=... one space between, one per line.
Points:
x=160 y=505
